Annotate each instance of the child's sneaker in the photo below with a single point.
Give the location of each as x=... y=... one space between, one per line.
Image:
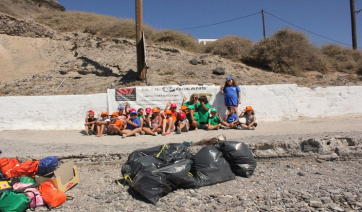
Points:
x=136 y=134
x=155 y=134
x=142 y=132
x=90 y=132
x=225 y=127
x=252 y=128
x=124 y=136
x=178 y=131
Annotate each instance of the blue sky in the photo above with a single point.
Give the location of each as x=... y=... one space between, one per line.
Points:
x=328 y=18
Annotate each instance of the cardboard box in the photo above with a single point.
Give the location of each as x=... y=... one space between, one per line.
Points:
x=65 y=177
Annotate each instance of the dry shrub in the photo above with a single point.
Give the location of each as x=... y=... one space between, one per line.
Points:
x=287 y=51
x=231 y=47
x=343 y=59
x=176 y=39
x=100 y=25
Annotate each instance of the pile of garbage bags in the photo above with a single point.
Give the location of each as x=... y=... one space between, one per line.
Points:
x=18 y=190
x=156 y=171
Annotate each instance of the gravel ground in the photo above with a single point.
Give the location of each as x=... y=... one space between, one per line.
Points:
x=278 y=185
x=286 y=178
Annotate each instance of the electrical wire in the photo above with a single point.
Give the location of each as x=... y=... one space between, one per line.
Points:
x=222 y=22
x=308 y=30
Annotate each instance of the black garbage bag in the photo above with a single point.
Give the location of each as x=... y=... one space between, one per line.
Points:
x=144 y=152
x=170 y=153
x=178 y=174
x=152 y=186
x=210 y=167
x=239 y=157
x=148 y=162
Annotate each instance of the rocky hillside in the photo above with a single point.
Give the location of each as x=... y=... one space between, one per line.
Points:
x=37 y=59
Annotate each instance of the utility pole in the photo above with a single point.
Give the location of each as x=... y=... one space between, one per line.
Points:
x=353 y=22
x=141 y=64
x=262 y=14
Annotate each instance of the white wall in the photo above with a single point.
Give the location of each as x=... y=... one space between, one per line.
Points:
x=271 y=103
x=48 y=112
x=329 y=101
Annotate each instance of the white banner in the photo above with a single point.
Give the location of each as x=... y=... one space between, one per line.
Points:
x=159 y=96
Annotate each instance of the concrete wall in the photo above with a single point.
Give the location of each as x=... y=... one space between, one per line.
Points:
x=48 y=112
x=329 y=101
x=271 y=103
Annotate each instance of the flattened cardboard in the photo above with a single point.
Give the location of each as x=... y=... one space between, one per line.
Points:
x=65 y=177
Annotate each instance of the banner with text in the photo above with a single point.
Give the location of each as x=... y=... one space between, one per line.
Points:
x=159 y=96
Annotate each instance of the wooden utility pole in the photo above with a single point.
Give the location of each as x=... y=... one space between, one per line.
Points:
x=353 y=22
x=262 y=14
x=141 y=64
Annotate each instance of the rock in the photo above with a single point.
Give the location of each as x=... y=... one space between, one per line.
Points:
x=334 y=206
x=326 y=200
x=194 y=61
x=262 y=182
x=301 y=173
x=315 y=204
x=347 y=194
x=334 y=156
x=224 y=199
x=336 y=191
x=204 y=56
x=195 y=202
x=219 y=71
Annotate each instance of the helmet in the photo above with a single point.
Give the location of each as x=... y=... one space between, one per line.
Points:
x=248 y=108
x=155 y=110
x=184 y=107
x=173 y=105
x=132 y=109
x=148 y=110
x=114 y=114
x=229 y=78
x=169 y=112
x=182 y=115
x=91 y=111
x=104 y=113
x=120 y=108
x=213 y=110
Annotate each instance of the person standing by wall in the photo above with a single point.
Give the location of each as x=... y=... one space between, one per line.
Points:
x=232 y=93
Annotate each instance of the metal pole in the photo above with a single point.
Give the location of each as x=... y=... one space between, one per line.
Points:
x=139 y=44
x=262 y=13
x=353 y=22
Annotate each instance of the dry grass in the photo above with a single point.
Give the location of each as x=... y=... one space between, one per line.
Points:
x=231 y=47
x=343 y=59
x=176 y=39
x=288 y=52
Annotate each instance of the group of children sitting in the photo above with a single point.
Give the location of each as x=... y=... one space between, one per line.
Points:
x=193 y=115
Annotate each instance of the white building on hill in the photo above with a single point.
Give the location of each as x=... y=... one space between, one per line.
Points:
x=205 y=40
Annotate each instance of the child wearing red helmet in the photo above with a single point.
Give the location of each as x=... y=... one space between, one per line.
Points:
x=183 y=124
x=90 y=121
x=250 y=120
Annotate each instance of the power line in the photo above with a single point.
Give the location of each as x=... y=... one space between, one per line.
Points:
x=308 y=30
x=222 y=22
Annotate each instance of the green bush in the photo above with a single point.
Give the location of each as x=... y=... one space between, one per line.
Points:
x=231 y=47
x=343 y=59
x=287 y=51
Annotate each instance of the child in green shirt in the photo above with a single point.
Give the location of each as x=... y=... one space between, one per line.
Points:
x=214 y=121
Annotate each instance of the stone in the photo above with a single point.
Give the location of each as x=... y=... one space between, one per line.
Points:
x=224 y=199
x=333 y=156
x=262 y=182
x=334 y=191
x=301 y=173
x=219 y=71
x=318 y=160
x=326 y=200
x=315 y=204
x=347 y=194
x=194 y=61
